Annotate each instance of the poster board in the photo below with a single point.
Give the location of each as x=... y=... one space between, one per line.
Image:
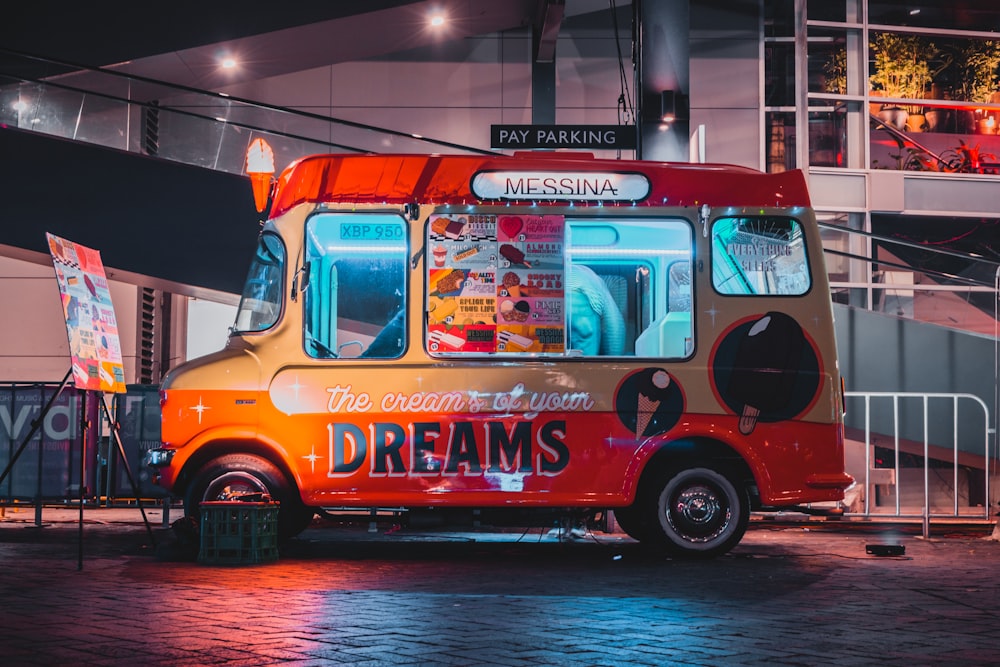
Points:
x=90 y=316
x=496 y=284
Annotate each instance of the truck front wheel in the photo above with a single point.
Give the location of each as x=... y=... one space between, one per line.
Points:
x=232 y=476
x=695 y=511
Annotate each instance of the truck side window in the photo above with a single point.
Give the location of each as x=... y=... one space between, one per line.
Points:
x=260 y=304
x=354 y=300
x=759 y=255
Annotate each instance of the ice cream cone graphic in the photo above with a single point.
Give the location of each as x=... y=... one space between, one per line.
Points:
x=647 y=406
x=649 y=402
x=644 y=412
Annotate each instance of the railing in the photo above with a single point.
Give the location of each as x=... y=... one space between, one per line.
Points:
x=959 y=449
x=886 y=291
x=179 y=123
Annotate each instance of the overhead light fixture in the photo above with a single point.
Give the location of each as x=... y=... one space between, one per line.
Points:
x=228 y=63
x=664 y=107
x=914 y=12
x=437 y=20
x=668 y=106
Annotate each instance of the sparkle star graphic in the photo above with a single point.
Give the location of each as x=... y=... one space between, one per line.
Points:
x=712 y=312
x=295 y=388
x=200 y=408
x=312 y=458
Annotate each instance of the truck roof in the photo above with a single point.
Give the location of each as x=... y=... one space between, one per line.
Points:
x=447 y=179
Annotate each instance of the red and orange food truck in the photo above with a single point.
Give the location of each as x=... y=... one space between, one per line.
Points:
x=522 y=339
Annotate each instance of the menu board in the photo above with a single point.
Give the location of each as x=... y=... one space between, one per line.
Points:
x=495 y=283
x=90 y=317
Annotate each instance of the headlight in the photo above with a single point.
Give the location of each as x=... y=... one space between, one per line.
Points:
x=158 y=458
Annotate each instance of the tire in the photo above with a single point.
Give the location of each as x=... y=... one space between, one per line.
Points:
x=233 y=475
x=630 y=520
x=695 y=511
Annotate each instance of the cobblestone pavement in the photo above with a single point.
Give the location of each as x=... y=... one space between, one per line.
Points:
x=789 y=594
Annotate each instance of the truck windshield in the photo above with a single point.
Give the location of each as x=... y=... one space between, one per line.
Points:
x=354 y=300
x=260 y=304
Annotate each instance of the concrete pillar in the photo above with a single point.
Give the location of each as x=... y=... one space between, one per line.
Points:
x=543 y=90
x=726 y=79
x=662 y=66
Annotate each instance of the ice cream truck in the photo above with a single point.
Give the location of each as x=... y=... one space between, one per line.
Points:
x=521 y=340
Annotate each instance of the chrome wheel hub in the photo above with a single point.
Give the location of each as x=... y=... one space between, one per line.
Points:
x=698 y=505
x=699 y=514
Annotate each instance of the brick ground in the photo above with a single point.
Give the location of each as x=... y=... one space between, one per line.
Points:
x=790 y=594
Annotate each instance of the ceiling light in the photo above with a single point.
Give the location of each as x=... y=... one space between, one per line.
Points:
x=228 y=63
x=437 y=20
x=914 y=12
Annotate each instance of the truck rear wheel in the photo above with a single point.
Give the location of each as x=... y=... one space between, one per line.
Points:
x=695 y=511
x=631 y=521
x=232 y=476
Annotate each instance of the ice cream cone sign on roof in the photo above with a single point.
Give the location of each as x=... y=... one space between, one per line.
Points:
x=260 y=169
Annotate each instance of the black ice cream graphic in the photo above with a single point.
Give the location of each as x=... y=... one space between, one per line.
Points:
x=765 y=368
x=649 y=402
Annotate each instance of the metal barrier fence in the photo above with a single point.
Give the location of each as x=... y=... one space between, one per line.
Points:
x=967 y=457
x=41 y=449
x=48 y=465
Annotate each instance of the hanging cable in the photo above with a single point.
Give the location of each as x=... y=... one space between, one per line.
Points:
x=625 y=97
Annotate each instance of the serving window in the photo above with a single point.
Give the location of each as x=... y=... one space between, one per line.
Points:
x=524 y=285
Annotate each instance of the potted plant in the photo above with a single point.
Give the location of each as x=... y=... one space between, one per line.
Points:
x=962 y=159
x=973 y=68
x=835 y=72
x=901 y=70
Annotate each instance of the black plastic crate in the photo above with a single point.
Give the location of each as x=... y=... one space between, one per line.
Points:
x=238 y=533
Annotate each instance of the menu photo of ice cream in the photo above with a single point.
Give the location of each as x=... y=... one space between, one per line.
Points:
x=474 y=337
x=531 y=241
x=461 y=311
x=531 y=338
x=512 y=310
x=447 y=227
x=535 y=255
x=765 y=370
x=461 y=324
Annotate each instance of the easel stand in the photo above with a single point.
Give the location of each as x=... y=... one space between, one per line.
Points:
x=115 y=426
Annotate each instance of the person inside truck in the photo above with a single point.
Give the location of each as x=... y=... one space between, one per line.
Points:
x=596 y=323
x=388 y=344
